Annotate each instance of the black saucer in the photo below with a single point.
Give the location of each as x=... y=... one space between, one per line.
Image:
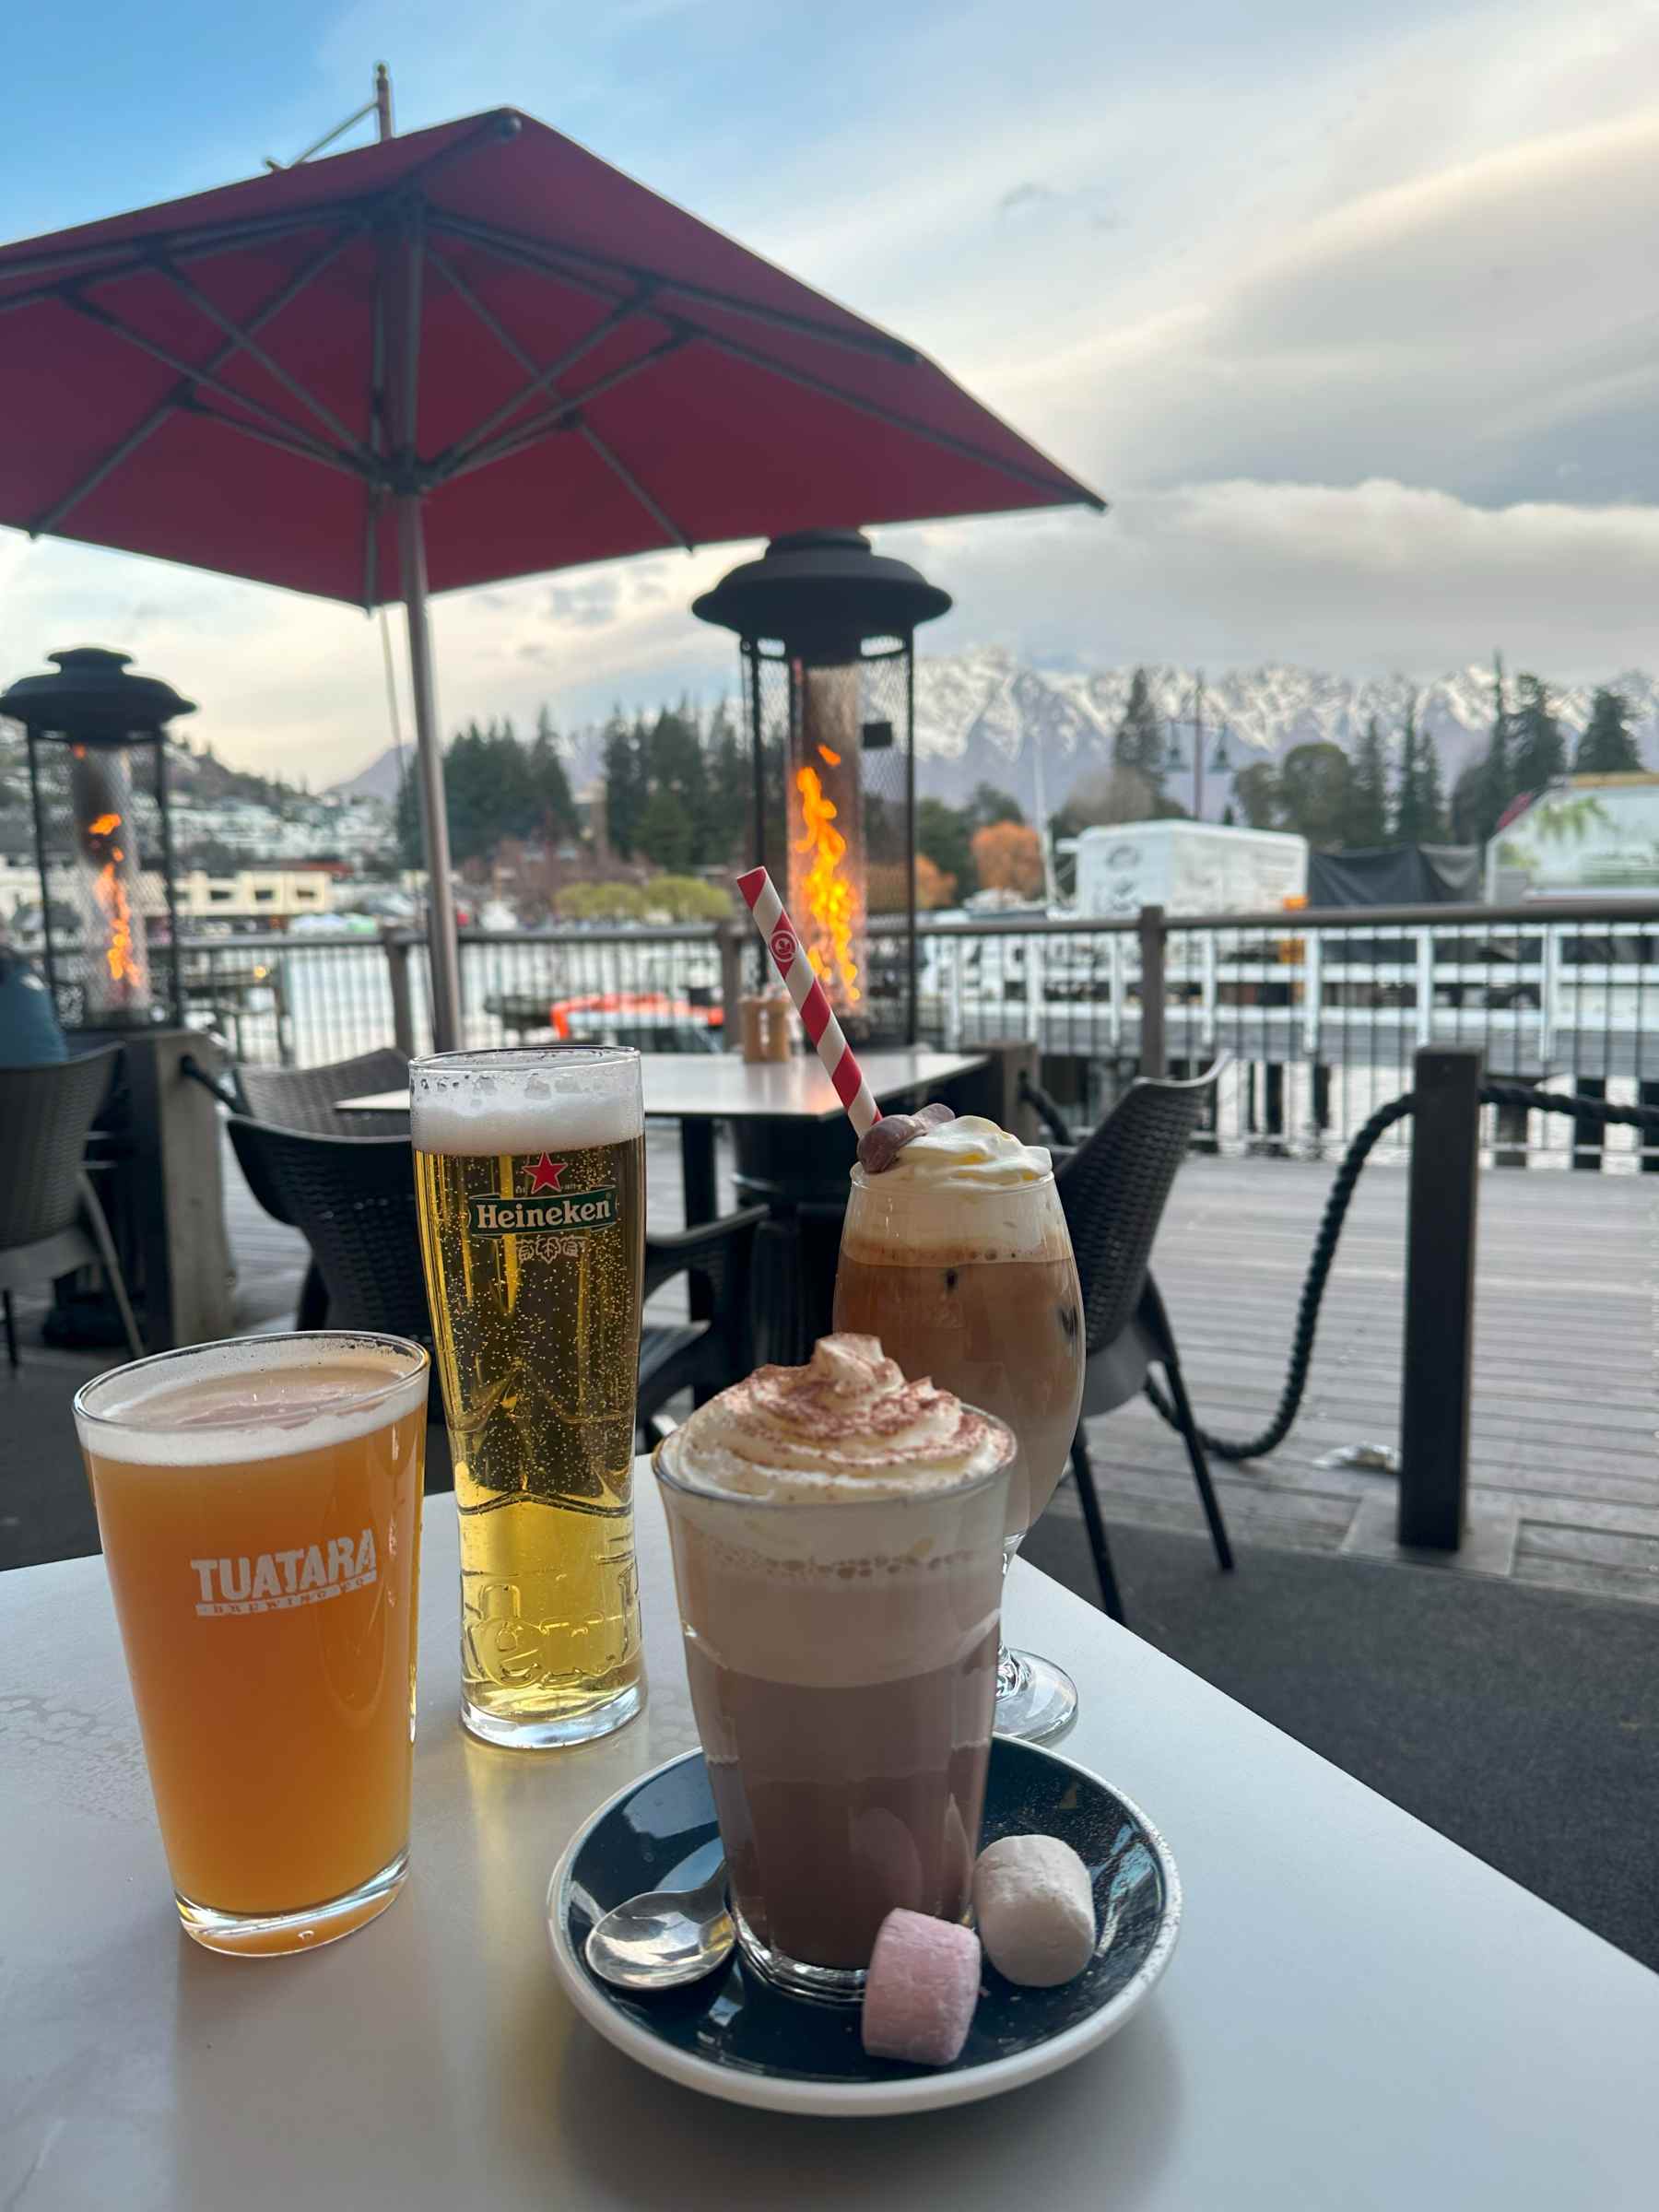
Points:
x=736 y=2036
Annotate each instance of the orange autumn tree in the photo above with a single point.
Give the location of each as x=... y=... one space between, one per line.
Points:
x=1009 y=857
x=933 y=887
x=885 y=889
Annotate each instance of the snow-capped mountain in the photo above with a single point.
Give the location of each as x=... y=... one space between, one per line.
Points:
x=981 y=717
x=985 y=717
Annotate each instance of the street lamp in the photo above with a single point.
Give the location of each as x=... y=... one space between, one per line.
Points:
x=1220 y=761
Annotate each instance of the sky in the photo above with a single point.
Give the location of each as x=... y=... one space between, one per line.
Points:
x=1349 y=314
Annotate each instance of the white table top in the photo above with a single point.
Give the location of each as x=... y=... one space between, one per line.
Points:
x=1357 y=2015
x=722 y=1087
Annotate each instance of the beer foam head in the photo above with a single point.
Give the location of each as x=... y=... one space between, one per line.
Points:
x=970 y=1154
x=846 y=1427
x=553 y=1098
x=253 y=1398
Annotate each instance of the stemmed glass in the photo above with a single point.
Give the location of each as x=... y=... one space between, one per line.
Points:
x=977 y=1286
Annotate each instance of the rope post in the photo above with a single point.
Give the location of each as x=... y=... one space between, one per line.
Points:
x=1439 y=1298
x=1151 y=931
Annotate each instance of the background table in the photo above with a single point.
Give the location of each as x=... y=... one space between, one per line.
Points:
x=1358 y=2014
x=697 y=1089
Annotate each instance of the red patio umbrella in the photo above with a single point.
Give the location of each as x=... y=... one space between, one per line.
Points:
x=468 y=354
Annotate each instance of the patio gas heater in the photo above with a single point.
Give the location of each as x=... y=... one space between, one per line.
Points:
x=84 y=725
x=826 y=628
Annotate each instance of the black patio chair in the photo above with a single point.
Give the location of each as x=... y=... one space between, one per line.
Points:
x=1114 y=1187
x=303 y=1099
x=50 y=1221
x=354 y=1198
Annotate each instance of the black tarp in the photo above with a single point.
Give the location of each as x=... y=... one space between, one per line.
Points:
x=1396 y=876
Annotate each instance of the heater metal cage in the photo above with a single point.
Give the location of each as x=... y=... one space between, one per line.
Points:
x=109 y=922
x=826 y=628
x=833 y=813
x=96 y=752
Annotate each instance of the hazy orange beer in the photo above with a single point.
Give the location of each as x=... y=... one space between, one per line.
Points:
x=259 y=1503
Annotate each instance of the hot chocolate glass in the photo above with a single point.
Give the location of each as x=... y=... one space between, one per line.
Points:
x=837 y=1536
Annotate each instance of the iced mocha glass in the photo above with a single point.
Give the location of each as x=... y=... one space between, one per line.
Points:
x=837 y=1537
x=958 y=1258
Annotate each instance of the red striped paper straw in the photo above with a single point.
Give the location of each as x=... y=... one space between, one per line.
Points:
x=804 y=987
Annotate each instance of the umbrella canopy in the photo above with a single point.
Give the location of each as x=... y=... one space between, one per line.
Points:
x=472 y=353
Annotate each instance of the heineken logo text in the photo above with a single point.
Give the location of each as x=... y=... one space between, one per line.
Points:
x=536 y=1215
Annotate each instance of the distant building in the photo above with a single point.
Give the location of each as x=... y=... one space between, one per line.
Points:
x=267 y=895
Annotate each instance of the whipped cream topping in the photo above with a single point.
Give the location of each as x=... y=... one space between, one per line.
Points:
x=970 y=1153
x=846 y=1426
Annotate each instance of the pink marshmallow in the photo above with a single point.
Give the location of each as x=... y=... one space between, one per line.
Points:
x=921 y=1989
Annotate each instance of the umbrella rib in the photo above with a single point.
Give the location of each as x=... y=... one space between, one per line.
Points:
x=49 y=519
x=632 y=483
x=491 y=321
x=553 y=257
x=184 y=245
x=377 y=431
x=193 y=374
x=244 y=339
x=194 y=242
x=892 y=420
x=284 y=441
x=566 y=413
x=542 y=380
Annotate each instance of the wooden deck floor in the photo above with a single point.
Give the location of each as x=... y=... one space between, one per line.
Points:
x=1564 y=1466
x=1564 y=1461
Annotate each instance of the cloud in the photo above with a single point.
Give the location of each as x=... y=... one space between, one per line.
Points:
x=591 y=604
x=1023 y=195
x=1352 y=326
x=1476 y=329
x=1365 y=578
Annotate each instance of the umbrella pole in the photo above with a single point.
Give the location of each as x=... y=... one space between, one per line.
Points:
x=440 y=905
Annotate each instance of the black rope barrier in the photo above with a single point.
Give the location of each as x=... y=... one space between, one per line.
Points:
x=1330 y=1233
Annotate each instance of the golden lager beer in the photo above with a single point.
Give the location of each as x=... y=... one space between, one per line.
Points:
x=530 y=1168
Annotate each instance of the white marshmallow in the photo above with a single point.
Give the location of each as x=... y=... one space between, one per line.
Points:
x=1034 y=1904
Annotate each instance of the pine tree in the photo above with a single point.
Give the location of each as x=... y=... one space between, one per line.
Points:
x=1367 y=823
x=1435 y=831
x=1408 y=791
x=1607 y=747
x=1495 y=787
x=667 y=834
x=1314 y=787
x=1538 y=751
x=1256 y=790
x=1468 y=804
x=730 y=834
x=675 y=767
x=550 y=783
x=1139 y=743
x=624 y=788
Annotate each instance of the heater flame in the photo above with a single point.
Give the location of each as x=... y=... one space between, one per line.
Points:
x=115 y=906
x=832 y=898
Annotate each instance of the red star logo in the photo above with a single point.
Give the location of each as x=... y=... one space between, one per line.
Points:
x=544 y=1172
